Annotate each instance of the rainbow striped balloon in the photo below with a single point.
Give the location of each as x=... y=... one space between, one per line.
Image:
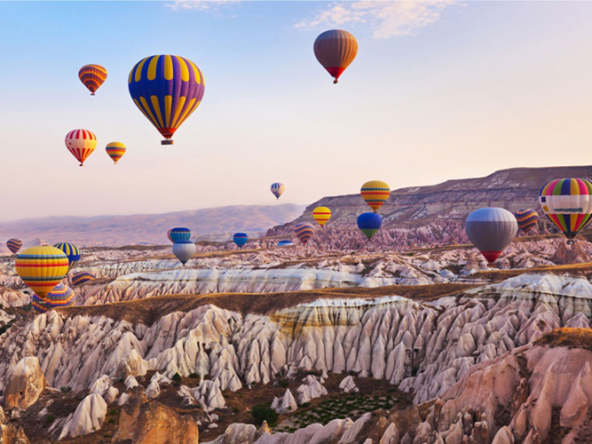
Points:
x=277 y=189
x=81 y=277
x=375 y=193
x=167 y=89
x=304 y=232
x=42 y=268
x=527 y=219
x=14 y=245
x=92 y=76
x=81 y=143
x=71 y=251
x=115 y=150
x=321 y=215
x=568 y=204
x=61 y=296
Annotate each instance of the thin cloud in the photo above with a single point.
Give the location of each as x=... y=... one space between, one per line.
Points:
x=387 y=18
x=201 y=5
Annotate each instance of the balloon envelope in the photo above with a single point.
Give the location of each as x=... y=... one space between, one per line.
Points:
x=60 y=296
x=527 y=219
x=568 y=204
x=335 y=50
x=92 y=76
x=375 y=193
x=184 y=250
x=491 y=230
x=81 y=277
x=180 y=234
x=14 y=245
x=167 y=89
x=369 y=224
x=321 y=215
x=277 y=189
x=285 y=243
x=240 y=239
x=115 y=150
x=81 y=143
x=42 y=268
x=304 y=232
x=71 y=251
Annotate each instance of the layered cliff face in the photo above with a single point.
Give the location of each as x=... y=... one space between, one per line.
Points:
x=431 y=347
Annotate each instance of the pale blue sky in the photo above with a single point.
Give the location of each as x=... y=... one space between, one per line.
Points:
x=438 y=91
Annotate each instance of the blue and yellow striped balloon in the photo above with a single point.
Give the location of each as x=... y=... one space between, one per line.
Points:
x=81 y=277
x=71 y=251
x=115 y=150
x=375 y=193
x=61 y=296
x=167 y=89
x=527 y=219
x=42 y=268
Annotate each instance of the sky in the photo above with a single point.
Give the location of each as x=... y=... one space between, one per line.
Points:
x=439 y=90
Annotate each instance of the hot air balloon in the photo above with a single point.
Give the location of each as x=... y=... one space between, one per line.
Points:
x=42 y=268
x=240 y=239
x=375 y=193
x=14 y=245
x=92 y=76
x=61 y=296
x=81 y=143
x=491 y=230
x=568 y=203
x=277 y=189
x=81 y=277
x=335 y=50
x=304 y=232
x=527 y=219
x=167 y=89
x=169 y=235
x=179 y=234
x=321 y=215
x=115 y=150
x=285 y=243
x=369 y=224
x=71 y=251
x=184 y=250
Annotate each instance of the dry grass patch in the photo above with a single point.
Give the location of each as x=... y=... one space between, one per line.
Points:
x=567 y=337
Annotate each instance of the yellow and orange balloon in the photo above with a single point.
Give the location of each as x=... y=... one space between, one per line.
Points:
x=375 y=193
x=92 y=76
x=321 y=215
x=42 y=268
x=115 y=150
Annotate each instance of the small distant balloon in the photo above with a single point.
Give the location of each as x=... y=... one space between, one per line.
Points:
x=42 y=268
x=14 y=245
x=71 y=251
x=491 y=230
x=335 y=50
x=240 y=239
x=369 y=224
x=375 y=193
x=81 y=143
x=115 y=150
x=184 y=250
x=527 y=219
x=285 y=243
x=277 y=189
x=568 y=204
x=304 y=232
x=81 y=277
x=92 y=76
x=179 y=234
x=321 y=215
x=169 y=235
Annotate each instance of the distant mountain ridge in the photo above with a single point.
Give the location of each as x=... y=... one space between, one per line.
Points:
x=206 y=224
x=434 y=213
